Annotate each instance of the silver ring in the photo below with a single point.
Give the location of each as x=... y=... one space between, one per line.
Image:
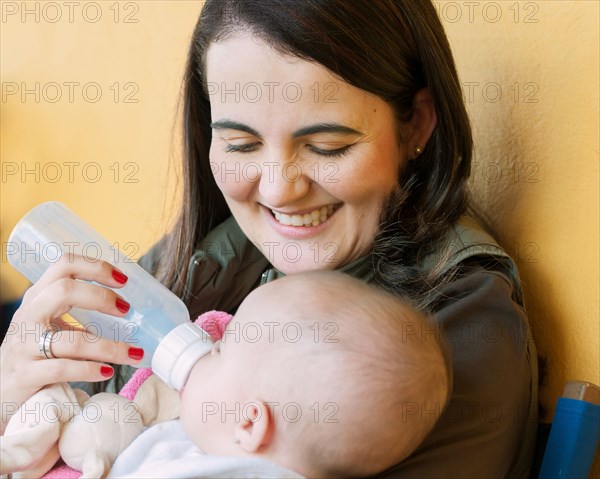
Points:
x=45 y=343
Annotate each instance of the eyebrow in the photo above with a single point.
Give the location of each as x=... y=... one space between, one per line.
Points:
x=325 y=128
x=307 y=130
x=233 y=125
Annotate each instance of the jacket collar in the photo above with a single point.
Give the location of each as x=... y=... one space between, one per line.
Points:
x=227 y=266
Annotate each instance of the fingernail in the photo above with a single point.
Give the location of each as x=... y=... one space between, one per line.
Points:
x=136 y=353
x=122 y=306
x=106 y=371
x=119 y=277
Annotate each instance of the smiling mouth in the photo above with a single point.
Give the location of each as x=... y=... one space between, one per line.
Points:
x=314 y=218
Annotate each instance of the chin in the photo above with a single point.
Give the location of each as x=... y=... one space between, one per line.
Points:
x=302 y=267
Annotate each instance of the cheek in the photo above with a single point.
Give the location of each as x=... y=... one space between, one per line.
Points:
x=187 y=417
x=188 y=397
x=234 y=178
x=365 y=182
x=195 y=390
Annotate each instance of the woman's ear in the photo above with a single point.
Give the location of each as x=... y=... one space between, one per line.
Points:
x=423 y=121
x=255 y=428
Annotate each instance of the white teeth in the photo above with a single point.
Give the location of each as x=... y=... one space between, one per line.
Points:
x=283 y=219
x=323 y=214
x=314 y=218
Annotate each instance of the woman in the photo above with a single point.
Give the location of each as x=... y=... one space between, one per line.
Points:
x=326 y=135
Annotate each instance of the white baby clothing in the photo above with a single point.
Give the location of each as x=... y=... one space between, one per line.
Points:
x=165 y=451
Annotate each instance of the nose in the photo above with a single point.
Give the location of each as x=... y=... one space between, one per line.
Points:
x=283 y=183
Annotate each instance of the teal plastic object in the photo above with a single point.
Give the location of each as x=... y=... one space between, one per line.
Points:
x=573 y=440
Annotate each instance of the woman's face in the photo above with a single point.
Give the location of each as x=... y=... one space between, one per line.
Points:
x=303 y=159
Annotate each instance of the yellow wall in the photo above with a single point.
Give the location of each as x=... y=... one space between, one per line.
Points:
x=530 y=76
x=106 y=158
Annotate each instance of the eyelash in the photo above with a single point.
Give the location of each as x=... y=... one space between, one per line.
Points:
x=250 y=147
x=247 y=148
x=337 y=152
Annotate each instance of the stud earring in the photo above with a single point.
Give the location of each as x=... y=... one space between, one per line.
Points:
x=418 y=150
x=236 y=440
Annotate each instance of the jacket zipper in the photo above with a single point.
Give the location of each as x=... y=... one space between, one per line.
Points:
x=267 y=276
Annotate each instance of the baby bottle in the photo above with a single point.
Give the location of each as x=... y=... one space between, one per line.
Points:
x=157 y=320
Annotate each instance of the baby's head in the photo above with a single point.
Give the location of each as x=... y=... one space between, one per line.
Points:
x=322 y=374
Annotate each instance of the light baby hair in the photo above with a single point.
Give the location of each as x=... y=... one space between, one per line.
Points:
x=369 y=374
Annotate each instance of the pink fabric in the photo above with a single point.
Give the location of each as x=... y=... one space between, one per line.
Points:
x=213 y=322
x=134 y=383
x=62 y=471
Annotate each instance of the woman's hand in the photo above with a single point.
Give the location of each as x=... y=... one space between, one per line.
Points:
x=77 y=355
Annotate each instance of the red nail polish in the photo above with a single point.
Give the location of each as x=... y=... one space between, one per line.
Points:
x=106 y=371
x=122 y=306
x=136 y=353
x=119 y=277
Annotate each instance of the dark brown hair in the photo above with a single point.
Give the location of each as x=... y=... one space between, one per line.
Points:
x=391 y=48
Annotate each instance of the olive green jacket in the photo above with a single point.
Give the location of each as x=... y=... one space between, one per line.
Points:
x=488 y=428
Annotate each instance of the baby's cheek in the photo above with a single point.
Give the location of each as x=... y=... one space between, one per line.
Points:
x=187 y=417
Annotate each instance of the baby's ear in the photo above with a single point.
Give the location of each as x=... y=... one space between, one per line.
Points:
x=256 y=426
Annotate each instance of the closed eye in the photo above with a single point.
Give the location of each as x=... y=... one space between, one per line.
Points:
x=337 y=152
x=250 y=147
x=245 y=148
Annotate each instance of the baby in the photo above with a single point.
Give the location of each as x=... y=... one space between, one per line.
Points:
x=317 y=373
